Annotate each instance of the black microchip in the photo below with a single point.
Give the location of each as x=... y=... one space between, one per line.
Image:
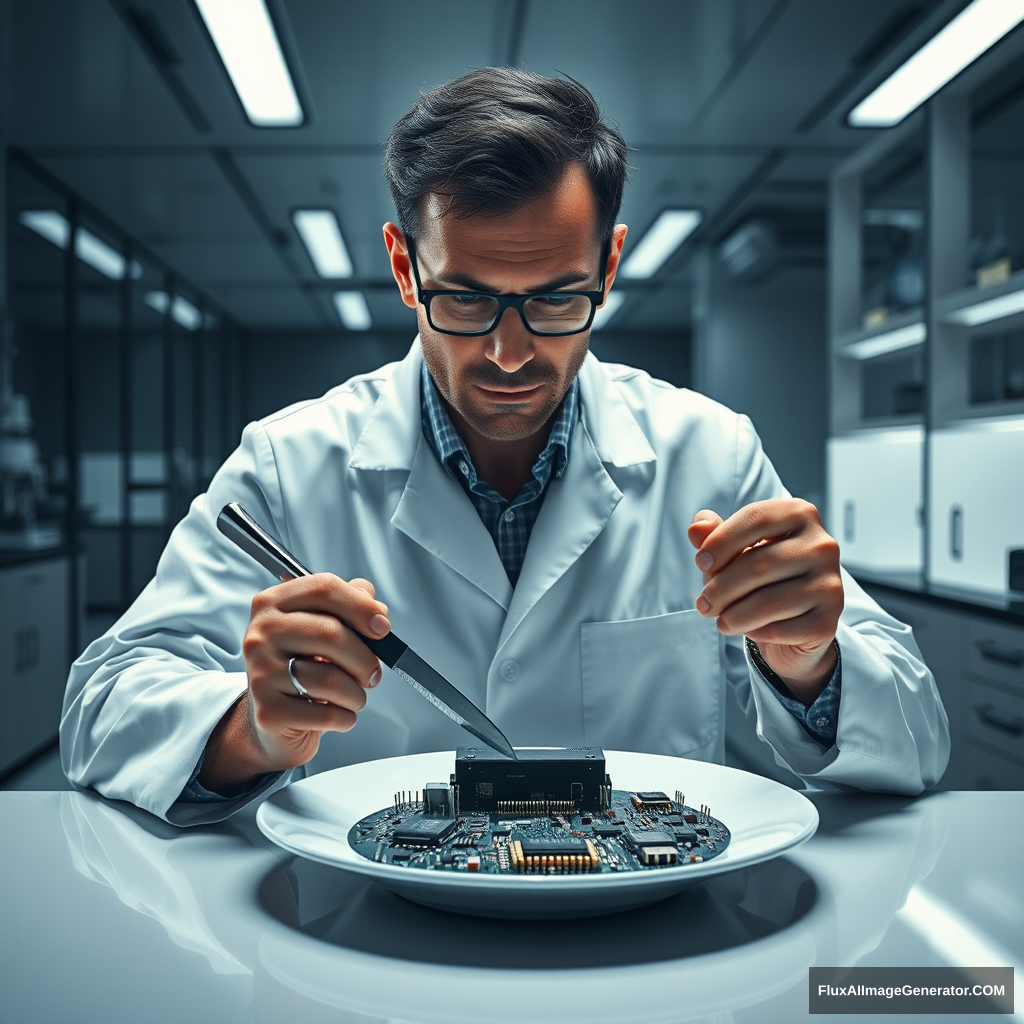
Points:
x=654 y=797
x=686 y=836
x=607 y=831
x=651 y=837
x=560 y=846
x=421 y=831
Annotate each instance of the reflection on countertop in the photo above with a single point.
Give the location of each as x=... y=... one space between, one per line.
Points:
x=212 y=923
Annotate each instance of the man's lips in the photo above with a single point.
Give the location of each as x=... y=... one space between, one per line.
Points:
x=510 y=396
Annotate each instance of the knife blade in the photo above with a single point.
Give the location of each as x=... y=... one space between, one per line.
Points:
x=239 y=527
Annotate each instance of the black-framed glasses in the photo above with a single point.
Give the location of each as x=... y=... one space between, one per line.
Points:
x=549 y=314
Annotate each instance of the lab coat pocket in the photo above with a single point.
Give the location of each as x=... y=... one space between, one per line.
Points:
x=651 y=684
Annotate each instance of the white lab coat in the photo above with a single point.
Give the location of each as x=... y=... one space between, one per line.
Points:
x=598 y=643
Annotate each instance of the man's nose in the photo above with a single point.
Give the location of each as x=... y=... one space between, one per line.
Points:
x=512 y=345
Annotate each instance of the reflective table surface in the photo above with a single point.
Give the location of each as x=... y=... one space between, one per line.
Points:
x=108 y=915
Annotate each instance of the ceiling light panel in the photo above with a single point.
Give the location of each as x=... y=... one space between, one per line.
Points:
x=323 y=240
x=882 y=344
x=974 y=30
x=353 y=311
x=183 y=312
x=244 y=35
x=92 y=251
x=665 y=235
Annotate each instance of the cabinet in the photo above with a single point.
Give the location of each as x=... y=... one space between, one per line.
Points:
x=978 y=664
x=926 y=324
x=35 y=613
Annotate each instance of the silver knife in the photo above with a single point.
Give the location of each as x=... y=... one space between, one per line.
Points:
x=237 y=525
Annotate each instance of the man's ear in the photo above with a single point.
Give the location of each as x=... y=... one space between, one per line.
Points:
x=398 y=253
x=614 y=255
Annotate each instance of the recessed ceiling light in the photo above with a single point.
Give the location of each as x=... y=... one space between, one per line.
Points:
x=93 y=251
x=322 y=238
x=664 y=236
x=977 y=27
x=882 y=344
x=244 y=35
x=612 y=302
x=990 y=309
x=182 y=311
x=352 y=309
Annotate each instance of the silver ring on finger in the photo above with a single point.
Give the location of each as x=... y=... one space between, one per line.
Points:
x=302 y=691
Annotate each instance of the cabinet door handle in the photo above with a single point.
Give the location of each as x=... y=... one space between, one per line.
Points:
x=956 y=533
x=991 y=651
x=990 y=715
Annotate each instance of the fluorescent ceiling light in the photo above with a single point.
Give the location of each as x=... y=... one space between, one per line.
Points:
x=612 y=302
x=48 y=224
x=979 y=26
x=990 y=309
x=665 y=235
x=93 y=251
x=352 y=309
x=322 y=238
x=906 y=220
x=890 y=341
x=247 y=43
x=182 y=311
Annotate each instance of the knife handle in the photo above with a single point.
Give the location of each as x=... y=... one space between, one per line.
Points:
x=238 y=526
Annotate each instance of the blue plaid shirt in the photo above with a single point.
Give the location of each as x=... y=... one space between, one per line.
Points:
x=508 y=522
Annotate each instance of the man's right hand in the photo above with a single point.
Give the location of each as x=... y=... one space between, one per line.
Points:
x=317 y=620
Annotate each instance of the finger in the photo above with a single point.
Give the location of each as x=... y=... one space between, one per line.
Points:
x=754 y=568
x=282 y=714
x=703 y=523
x=322 y=681
x=811 y=628
x=277 y=637
x=776 y=602
x=325 y=592
x=367 y=586
x=760 y=521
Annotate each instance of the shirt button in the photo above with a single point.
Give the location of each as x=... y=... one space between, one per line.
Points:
x=510 y=670
x=509 y=516
x=822 y=722
x=465 y=468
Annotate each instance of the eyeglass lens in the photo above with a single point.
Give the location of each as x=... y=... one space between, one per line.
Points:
x=552 y=314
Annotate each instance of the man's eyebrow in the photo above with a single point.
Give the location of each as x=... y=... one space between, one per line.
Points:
x=471 y=283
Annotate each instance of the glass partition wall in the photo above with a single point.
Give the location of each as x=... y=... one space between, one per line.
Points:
x=124 y=382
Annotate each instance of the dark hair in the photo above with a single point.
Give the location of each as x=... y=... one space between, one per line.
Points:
x=496 y=138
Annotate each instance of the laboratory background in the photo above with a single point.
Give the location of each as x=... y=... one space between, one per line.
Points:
x=826 y=232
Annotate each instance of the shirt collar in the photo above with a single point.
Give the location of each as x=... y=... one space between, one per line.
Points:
x=446 y=443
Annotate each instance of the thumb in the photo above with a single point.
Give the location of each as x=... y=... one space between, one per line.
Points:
x=703 y=525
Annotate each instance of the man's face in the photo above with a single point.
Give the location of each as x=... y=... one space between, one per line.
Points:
x=505 y=385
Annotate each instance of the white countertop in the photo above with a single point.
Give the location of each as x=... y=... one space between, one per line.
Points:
x=108 y=915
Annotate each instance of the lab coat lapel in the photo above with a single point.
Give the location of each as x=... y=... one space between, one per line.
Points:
x=433 y=509
x=577 y=506
x=575 y=510
x=435 y=512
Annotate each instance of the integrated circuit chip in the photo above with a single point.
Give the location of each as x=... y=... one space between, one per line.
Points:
x=422 y=831
x=558 y=854
x=652 y=801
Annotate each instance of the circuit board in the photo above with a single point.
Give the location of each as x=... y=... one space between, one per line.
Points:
x=559 y=815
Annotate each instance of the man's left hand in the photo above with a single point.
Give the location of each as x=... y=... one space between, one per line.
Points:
x=771 y=572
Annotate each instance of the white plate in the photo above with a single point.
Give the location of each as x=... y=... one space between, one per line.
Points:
x=312 y=818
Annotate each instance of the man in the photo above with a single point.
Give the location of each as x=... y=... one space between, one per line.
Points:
x=591 y=555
